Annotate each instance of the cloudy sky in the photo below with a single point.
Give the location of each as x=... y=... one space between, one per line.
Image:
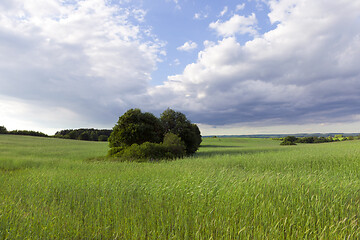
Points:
x=232 y=66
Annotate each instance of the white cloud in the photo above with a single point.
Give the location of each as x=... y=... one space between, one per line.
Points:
x=197 y=16
x=240 y=7
x=188 y=46
x=18 y=114
x=139 y=14
x=176 y=62
x=236 y=25
x=304 y=71
x=85 y=56
x=224 y=11
x=200 y=16
x=87 y=62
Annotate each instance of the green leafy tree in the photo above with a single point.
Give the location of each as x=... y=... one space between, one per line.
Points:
x=171 y=136
x=27 y=133
x=84 y=136
x=177 y=123
x=174 y=145
x=289 y=140
x=94 y=136
x=136 y=127
x=3 y=130
x=73 y=135
x=102 y=138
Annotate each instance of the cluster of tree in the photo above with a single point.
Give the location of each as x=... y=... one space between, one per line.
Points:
x=87 y=134
x=3 y=130
x=142 y=136
x=292 y=140
x=289 y=140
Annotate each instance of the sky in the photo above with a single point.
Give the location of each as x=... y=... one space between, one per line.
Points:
x=233 y=67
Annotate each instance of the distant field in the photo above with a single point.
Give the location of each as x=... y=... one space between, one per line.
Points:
x=233 y=188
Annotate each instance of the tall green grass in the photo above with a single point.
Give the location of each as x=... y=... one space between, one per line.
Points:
x=231 y=189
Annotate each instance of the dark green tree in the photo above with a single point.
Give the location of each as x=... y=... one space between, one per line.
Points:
x=3 y=130
x=73 y=135
x=177 y=123
x=136 y=127
x=93 y=136
x=174 y=145
x=102 y=138
x=84 y=136
x=289 y=140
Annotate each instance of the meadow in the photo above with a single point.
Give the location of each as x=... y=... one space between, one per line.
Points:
x=232 y=188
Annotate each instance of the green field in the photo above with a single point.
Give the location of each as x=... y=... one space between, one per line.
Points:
x=233 y=188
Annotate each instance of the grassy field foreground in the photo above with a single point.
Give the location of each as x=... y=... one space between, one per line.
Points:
x=231 y=189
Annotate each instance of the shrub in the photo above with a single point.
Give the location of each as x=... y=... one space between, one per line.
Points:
x=140 y=153
x=171 y=148
x=174 y=145
x=115 y=151
x=143 y=152
x=287 y=143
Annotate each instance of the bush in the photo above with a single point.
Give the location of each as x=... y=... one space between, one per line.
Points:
x=171 y=148
x=174 y=145
x=115 y=151
x=143 y=152
x=287 y=143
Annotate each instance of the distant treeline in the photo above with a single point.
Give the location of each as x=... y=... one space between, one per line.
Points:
x=3 y=130
x=292 y=140
x=281 y=136
x=87 y=134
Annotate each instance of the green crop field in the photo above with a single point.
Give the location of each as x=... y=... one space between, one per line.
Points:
x=233 y=188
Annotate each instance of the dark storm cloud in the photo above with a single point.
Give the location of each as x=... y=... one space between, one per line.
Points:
x=304 y=71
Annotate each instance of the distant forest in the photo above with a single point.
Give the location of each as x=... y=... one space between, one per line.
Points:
x=3 y=130
x=87 y=134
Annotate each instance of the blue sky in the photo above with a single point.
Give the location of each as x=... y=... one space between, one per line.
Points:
x=233 y=67
x=188 y=21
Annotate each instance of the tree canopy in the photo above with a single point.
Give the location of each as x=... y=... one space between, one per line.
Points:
x=3 y=130
x=177 y=123
x=173 y=131
x=88 y=134
x=136 y=127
